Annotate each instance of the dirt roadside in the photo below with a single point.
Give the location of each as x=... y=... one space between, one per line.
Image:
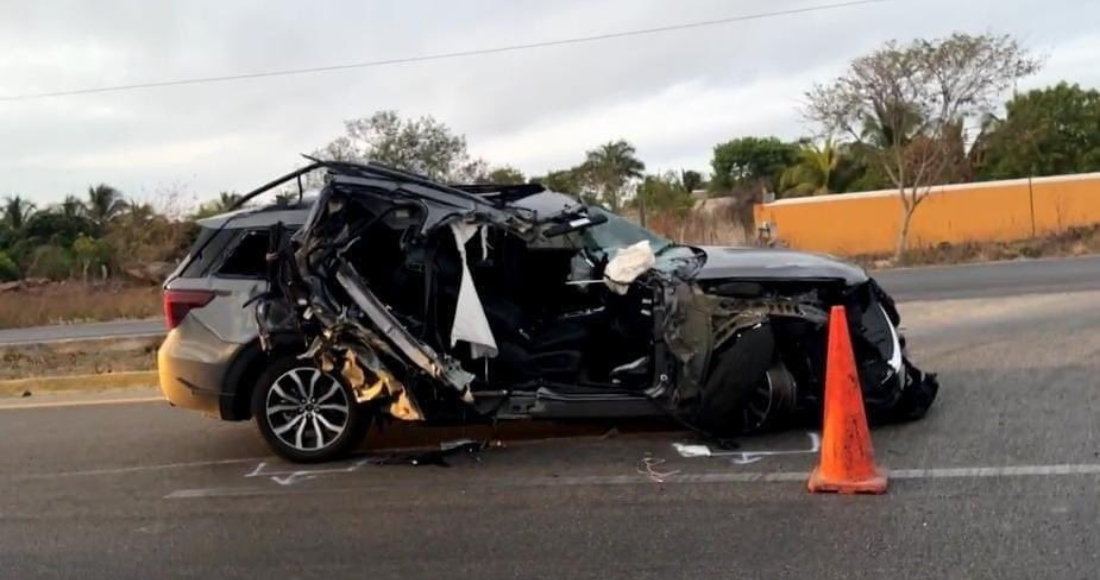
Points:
x=84 y=357
x=1072 y=242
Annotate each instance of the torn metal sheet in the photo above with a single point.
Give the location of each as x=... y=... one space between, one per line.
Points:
x=370 y=381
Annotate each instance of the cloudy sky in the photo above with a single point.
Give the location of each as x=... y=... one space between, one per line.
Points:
x=674 y=95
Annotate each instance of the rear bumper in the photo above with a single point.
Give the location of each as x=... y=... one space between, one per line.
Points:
x=191 y=369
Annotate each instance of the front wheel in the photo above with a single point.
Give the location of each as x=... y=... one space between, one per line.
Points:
x=306 y=415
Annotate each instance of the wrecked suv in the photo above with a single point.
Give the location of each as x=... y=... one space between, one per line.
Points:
x=392 y=297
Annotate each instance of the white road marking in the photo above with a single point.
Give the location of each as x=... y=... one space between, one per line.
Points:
x=97 y=402
x=1008 y=471
x=218 y=492
x=135 y=469
x=681 y=478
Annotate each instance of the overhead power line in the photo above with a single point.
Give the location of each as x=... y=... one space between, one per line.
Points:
x=440 y=56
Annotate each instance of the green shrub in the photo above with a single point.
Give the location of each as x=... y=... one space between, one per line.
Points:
x=53 y=262
x=8 y=270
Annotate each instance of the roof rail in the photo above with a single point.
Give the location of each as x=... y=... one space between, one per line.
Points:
x=372 y=169
x=273 y=184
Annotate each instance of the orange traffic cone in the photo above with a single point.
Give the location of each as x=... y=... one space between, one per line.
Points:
x=847 y=459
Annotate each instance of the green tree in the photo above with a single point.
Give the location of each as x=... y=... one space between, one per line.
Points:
x=140 y=235
x=568 y=181
x=610 y=168
x=50 y=261
x=91 y=254
x=505 y=175
x=901 y=102
x=424 y=146
x=104 y=203
x=750 y=162
x=663 y=194
x=8 y=269
x=1049 y=131
x=54 y=227
x=691 y=180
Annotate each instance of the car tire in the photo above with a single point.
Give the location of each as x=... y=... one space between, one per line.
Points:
x=740 y=369
x=306 y=415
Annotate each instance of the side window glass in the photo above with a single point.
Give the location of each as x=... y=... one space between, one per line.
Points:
x=247 y=258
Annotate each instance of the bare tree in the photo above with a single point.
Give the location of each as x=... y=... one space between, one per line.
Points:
x=902 y=102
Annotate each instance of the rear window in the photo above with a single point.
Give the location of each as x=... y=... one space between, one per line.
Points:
x=206 y=250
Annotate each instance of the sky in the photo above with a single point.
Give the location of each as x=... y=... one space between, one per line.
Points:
x=674 y=95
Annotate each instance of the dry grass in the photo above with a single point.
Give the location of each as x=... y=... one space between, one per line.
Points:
x=90 y=357
x=1072 y=242
x=700 y=229
x=717 y=221
x=75 y=302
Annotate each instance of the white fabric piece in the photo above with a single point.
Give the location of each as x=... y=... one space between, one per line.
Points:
x=484 y=243
x=470 y=323
x=629 y=263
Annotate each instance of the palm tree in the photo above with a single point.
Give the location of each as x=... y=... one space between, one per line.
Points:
x=17 y=211
x=104 y=203
x=137 y=212
x=225 y=202
x=892 y=125
x=72 y=207
x=813 y=174
x=612 y=165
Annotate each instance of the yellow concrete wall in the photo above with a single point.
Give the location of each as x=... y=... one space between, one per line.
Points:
x=867 y=223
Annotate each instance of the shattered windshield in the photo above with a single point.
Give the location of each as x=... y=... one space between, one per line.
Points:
x=605 y=239
x=618 y=232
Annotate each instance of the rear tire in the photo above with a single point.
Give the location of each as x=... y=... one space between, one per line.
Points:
x=306 y=415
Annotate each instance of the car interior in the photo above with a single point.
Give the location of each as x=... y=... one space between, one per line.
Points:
x=549 y=329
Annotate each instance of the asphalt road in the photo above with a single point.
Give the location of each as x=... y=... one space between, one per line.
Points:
x=994 y=279
x=964 y=281
x=93 y=330
x=141 y=490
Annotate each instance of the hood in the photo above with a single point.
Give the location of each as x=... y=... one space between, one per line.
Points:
x=773 y=264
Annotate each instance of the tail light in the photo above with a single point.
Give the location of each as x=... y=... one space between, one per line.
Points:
x=177 y=303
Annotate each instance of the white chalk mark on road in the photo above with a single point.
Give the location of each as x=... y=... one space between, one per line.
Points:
x=290 y=477
x=746 y=457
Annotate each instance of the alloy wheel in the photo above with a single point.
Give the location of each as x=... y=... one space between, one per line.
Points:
x=307 y=409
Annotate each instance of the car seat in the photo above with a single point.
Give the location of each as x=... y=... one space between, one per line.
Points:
x=529 y=350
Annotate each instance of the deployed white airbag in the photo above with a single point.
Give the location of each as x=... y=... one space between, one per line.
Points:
x=629 y=263
x=470 y=323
